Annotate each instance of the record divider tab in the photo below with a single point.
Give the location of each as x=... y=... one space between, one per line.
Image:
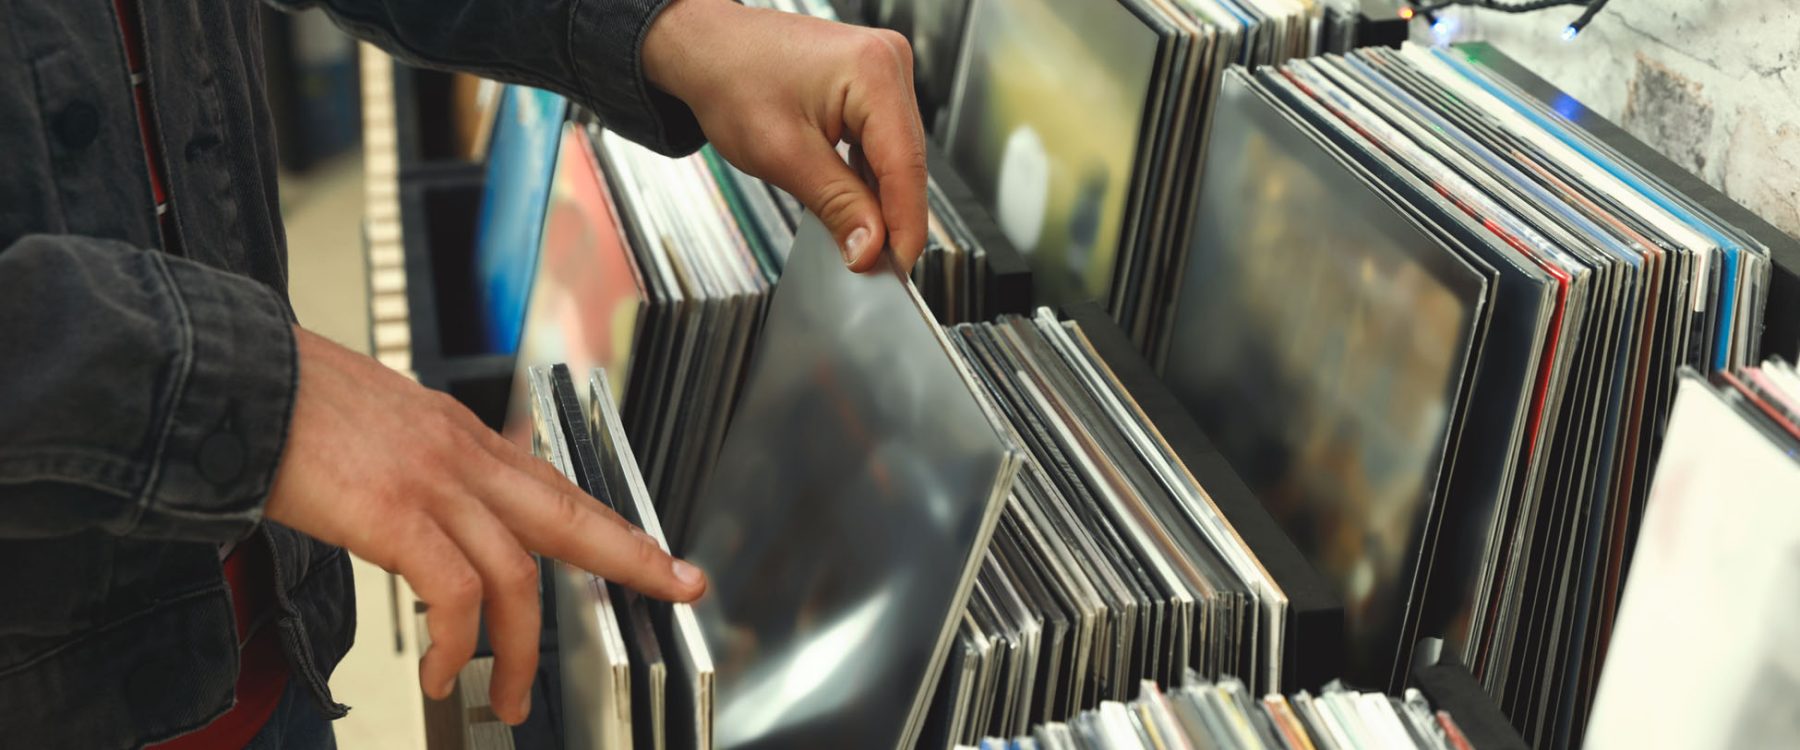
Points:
x=1316 y=635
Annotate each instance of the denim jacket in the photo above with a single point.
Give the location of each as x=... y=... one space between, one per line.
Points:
x=145 y=391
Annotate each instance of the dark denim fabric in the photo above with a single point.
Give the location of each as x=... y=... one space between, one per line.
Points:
x=145 y=390
x=297 y=724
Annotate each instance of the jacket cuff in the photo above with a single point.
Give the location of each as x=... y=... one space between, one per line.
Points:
x=226 y=419
x=606 y=46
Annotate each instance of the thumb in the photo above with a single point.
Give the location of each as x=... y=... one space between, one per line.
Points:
x=834 y=192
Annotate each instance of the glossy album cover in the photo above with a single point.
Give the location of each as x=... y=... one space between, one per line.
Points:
x=1050 y=101
x=857 y=487
x=1324 y=357
x=588 y=296
x=507 y=229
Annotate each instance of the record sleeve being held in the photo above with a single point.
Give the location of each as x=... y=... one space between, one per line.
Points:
x=846 y=517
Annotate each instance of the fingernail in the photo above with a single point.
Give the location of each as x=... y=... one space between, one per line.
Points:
x=853 y=245
x=686 y=573
x=524 y=708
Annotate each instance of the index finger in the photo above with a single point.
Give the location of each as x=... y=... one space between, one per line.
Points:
x=557 y=519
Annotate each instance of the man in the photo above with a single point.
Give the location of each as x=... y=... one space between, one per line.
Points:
x=172 y=445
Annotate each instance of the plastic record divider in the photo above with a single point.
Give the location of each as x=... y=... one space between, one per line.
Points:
x=1315 y=637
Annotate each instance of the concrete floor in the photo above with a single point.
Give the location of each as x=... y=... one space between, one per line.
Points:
x=328 y=283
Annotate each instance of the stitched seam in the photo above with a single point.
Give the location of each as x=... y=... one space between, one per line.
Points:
x=302 y=640
x=58 y=454
x=581 y=77
x=69 y=480
x=43 y=133
x=319 y=564
x=267 y=485
x=86 y=636
x=172 y=400
x=151 y=72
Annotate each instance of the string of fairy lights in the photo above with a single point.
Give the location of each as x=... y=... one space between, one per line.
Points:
x=1429 y=10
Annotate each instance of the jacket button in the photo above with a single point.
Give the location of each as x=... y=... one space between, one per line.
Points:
x=221 y=458
x=77 y=125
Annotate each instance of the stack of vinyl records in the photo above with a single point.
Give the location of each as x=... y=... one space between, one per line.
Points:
x=1436 y=327
x=953 y=273
x=1704 y=648
x=704 y=285
x=659 y=270
x=1111 y=564
x=844 y=522
x=636 y=673
x=1228 y=714
x=1080 y=123
x=935 y=30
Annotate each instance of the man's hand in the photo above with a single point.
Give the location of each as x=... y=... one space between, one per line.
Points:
x=408 y=479
x=775 y=92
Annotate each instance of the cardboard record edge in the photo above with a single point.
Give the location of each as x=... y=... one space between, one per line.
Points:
x=614 y=728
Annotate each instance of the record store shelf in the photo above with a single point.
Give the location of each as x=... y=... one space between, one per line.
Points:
x=1781 y=332
x=438 y=206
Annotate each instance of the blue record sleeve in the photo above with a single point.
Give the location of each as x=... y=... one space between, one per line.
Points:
x=521 y=162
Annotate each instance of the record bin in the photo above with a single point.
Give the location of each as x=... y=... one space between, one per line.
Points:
x=438 y=209
x=1781 y=332
x=1316 y=634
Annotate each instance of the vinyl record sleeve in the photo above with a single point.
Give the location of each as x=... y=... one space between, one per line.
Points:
x=588 y=298
x=1374 y=268
x=1706 y=572
x=1484 y=479
x=649 y=673
x=690 y=672
x=596 y=673
x=1045 y=124
x=511 y=218
x=841 y=562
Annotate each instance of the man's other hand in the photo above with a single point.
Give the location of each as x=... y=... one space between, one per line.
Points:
x=775 y=93
x=408 y=479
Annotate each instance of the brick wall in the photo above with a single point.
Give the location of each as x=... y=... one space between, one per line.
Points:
x=1714 y=84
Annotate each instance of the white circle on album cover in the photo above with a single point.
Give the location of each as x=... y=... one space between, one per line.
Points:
x=1024 y=189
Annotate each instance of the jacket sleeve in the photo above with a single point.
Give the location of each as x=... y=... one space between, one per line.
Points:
x=587 y=50
x=140 y=394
